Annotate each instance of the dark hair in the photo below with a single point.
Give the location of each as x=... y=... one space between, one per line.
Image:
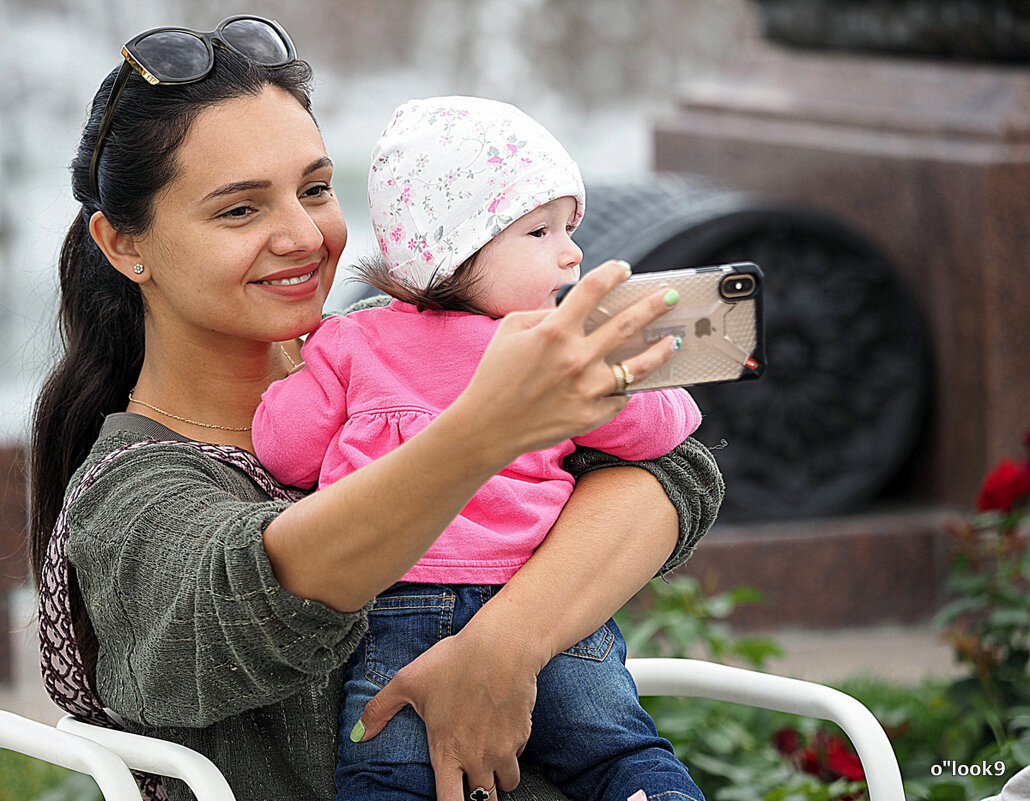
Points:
x=455 y=293
x=101 y=311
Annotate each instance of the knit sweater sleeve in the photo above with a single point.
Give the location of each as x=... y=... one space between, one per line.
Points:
x=690 y=477
x=193 y=626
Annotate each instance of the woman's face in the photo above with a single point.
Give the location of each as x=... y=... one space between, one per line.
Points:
x=246 y=239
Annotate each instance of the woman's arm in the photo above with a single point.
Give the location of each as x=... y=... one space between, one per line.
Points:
x=194 y=626
x=540 y=381
x=691 y=479
x=618 y=529
x=614 y=534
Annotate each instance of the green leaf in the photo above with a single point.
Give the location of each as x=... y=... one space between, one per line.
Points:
x=77 y=787
x=756 y=650
x=1021 y=751
x=720 y=606
x=952 y=610
x=947 y=791
x=1018 y=616
x=746 y=595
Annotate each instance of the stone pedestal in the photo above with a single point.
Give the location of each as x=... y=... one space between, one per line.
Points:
x=850 y=572
x=932 y=162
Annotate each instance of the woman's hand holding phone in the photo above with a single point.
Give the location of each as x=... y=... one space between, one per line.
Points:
x=542 y=379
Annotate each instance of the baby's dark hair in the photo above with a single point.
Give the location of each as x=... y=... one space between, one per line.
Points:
x=457 y=292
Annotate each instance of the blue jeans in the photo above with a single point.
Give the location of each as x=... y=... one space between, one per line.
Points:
x=590 y=735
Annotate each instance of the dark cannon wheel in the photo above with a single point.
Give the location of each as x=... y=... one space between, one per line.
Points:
x=844 y=398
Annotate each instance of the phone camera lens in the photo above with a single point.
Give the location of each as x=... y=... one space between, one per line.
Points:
x=738 y=286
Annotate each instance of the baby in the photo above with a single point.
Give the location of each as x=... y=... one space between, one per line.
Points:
x=473 y=204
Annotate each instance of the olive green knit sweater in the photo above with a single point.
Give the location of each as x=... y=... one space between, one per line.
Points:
x=198 y=642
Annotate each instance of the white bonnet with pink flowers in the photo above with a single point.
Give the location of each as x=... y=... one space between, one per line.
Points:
x=450 y=173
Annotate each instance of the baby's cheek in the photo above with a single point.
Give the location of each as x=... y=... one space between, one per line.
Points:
x=523 y=299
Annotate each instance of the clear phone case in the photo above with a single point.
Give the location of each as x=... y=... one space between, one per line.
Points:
x=719 y=318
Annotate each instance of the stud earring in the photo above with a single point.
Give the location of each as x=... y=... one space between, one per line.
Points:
x=138 y=269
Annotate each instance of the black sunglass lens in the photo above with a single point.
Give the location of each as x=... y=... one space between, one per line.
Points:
x=256 y=40
x=173 y=56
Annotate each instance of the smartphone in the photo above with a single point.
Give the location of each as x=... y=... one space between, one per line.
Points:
x=718 y=317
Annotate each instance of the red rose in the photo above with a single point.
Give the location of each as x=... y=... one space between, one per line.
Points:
x=810 y=762
x=843 y=762
x=787 y=741
x=1004 y=486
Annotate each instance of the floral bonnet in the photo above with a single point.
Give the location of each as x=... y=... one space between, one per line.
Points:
x=450 y=173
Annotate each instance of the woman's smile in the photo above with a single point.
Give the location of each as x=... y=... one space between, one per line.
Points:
x=297 y=282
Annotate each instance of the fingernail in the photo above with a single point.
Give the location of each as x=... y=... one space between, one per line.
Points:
x=677 y=343
x=672 y=297
x=626 y=265
x=357 y=732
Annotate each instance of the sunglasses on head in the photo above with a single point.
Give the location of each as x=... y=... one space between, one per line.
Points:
x=182 y=55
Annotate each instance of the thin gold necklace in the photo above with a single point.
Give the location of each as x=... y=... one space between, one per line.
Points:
x=293 y=366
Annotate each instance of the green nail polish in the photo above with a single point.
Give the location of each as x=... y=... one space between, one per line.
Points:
x=626 y=265
x=677 y=343
x=357 y=732
x=672 y=297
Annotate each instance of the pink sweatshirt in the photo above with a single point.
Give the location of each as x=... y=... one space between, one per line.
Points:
x=377 y=377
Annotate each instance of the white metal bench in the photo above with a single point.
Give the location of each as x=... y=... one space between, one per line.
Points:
x=107 y=755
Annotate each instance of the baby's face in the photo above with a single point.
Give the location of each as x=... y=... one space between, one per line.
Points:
x=524 y=266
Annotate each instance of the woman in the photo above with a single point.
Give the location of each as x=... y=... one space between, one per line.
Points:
x=211 y=612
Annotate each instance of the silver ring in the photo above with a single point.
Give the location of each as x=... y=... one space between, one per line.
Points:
x=628 y=375
x=480 y=794
x=620 y=378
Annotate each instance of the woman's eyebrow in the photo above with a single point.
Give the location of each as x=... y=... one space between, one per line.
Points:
x=318 y=164
x=246 y=186
x=234 y=187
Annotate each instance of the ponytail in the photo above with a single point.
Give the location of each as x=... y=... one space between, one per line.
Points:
x=101 y=329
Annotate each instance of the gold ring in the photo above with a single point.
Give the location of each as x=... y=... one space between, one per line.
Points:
x=620 y=378
x=628 y=375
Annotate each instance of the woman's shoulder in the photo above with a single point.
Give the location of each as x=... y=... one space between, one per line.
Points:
x=131 y=487
x=145 y=442
x=133 y=453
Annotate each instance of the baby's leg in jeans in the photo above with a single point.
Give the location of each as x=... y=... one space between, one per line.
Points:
x=405 y=620
x=590 y=734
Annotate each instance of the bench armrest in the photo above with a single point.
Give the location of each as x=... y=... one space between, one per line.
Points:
x=153 y=755
x=43 y=742
x=698 y=679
